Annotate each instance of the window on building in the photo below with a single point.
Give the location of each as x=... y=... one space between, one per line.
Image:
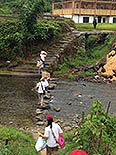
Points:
x=85 y=19
x=114 y=20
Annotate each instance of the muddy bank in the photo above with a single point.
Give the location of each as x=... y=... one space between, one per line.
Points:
x=18 y=103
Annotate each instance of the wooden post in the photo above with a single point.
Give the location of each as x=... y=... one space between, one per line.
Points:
x=79 y=10
x=73 y=5
x=95 y=8
x=53 y=7
x=80 y=7
x=62 y=7
x=111 y=7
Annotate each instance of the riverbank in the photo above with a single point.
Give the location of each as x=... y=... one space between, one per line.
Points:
x=90 y=59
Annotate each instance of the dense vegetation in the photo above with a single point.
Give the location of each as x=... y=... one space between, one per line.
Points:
x=18 y=36
x=12 y=7
x=85 y=57
x=15 y=42
x=97 y=123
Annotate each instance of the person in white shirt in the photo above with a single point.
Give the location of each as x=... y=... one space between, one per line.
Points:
x=52 y=145
x=43 y=55
x=46 y=84
x=40 y=66
x=40 y=88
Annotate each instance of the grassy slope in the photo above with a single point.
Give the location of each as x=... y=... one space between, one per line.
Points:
x=19 y=142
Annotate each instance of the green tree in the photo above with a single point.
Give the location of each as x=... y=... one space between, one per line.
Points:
x=29 y=12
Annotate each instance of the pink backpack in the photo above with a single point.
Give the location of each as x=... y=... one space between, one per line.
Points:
x=61 y=141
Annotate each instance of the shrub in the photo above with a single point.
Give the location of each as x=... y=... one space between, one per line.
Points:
x=15 y=40
x=10 y=41
x=46 y=30
x=91 y=40
x=92 y=124
x=98 y=120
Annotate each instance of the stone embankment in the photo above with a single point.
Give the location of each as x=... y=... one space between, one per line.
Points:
x=56 y=53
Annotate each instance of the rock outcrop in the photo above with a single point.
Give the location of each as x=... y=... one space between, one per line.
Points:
x=108 y=67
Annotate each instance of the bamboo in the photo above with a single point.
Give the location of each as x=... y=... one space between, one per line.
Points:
x=108 y=109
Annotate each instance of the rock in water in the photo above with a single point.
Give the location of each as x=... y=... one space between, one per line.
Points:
x=57 y=109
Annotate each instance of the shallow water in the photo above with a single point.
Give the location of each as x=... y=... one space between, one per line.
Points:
x=18 y=102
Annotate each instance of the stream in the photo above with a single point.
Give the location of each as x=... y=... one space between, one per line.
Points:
x=18 y=103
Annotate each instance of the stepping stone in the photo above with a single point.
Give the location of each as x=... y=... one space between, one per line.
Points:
x=38 y=111
x=57 y=109
x=47 y=97
x=45 y=107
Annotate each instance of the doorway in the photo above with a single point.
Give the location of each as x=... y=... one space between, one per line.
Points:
x=104 y=20
x=99 y=19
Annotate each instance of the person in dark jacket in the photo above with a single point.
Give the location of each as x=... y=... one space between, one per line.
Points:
x=94 y=23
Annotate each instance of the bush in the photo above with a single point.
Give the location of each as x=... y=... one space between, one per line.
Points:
x=91 y=40
x=15 y=40
x=10 y=41
x=98 y=120
x=46 y=30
